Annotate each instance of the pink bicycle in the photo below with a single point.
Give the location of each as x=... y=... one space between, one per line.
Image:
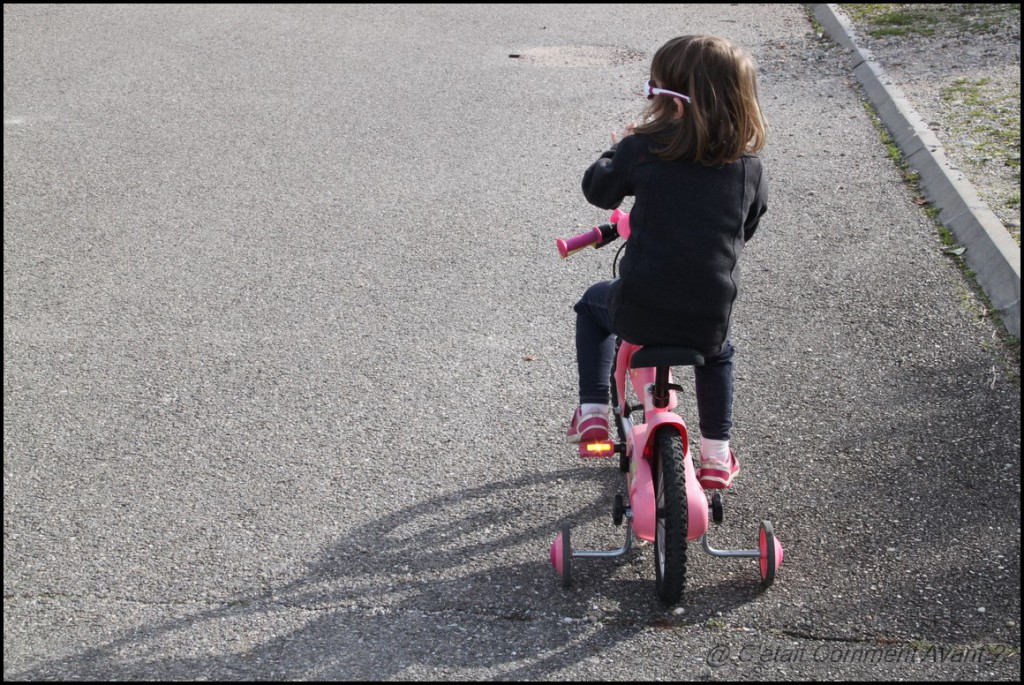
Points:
x=666 y=504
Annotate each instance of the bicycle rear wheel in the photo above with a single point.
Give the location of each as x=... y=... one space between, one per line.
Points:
x=671 y=528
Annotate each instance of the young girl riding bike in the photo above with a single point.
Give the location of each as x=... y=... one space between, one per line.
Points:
x=699 y=194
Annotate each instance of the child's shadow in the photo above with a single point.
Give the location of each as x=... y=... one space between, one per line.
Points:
x=433 y=586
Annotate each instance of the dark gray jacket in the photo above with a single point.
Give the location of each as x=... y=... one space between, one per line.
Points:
x=680 y=275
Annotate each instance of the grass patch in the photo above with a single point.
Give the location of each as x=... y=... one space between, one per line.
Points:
x=986 y=119
x=905 y=19
x=996 y=117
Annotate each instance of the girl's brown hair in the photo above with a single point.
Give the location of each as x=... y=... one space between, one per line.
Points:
x=723 y=120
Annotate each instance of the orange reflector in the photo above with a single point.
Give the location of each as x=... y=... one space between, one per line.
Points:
x=597 y=449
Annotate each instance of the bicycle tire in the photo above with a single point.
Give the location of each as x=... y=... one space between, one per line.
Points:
x=768 y=561
x=672 y=520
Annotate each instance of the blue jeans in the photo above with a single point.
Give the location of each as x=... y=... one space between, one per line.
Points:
x=595 y=353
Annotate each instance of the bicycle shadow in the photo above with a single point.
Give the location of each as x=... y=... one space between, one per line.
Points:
x=437 y=585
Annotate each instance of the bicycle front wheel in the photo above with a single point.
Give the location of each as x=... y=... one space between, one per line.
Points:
x=671 y=527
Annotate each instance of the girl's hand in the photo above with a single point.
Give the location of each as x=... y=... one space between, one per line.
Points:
x=627 y=132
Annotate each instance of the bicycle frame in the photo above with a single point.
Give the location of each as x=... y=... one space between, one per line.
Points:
x=639 y=437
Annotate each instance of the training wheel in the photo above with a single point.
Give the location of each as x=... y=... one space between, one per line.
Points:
x=717 y=513
x=618 y=510
x=561 y=555
x=771 y=553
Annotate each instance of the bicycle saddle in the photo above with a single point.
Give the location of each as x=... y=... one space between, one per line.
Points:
x=666 y=355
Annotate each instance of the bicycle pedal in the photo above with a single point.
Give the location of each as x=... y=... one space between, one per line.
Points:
x=599 y=449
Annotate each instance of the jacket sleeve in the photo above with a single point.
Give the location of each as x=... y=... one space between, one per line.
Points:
x=606 y=182
x=757 y=208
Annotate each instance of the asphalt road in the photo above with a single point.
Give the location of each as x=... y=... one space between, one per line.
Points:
x=288 y=362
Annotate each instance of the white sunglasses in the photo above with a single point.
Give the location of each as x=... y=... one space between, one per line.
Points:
x=650 y=91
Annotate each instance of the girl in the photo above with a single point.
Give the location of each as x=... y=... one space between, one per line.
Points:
x=699 y=196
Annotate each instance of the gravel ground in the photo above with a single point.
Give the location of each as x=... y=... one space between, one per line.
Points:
x=959 y=65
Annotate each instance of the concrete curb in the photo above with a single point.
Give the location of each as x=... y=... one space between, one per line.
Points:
x=991 y=252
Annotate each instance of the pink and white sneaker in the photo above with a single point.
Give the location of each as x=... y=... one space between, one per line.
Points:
x=716 y=475
x=589 y=427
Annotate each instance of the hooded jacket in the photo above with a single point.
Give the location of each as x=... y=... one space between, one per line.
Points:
x=680 y=276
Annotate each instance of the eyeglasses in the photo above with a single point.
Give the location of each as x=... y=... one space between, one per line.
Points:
x=650 y=91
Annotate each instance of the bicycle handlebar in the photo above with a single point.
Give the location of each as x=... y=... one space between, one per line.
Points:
x=598 y=236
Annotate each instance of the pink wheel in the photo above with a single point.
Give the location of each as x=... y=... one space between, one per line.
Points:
x=561 y=555
x=771 y=553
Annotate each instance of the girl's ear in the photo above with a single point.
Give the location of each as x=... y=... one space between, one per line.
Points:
x=678 y=102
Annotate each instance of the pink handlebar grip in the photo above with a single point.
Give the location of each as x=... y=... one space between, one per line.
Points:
x=569 y=245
